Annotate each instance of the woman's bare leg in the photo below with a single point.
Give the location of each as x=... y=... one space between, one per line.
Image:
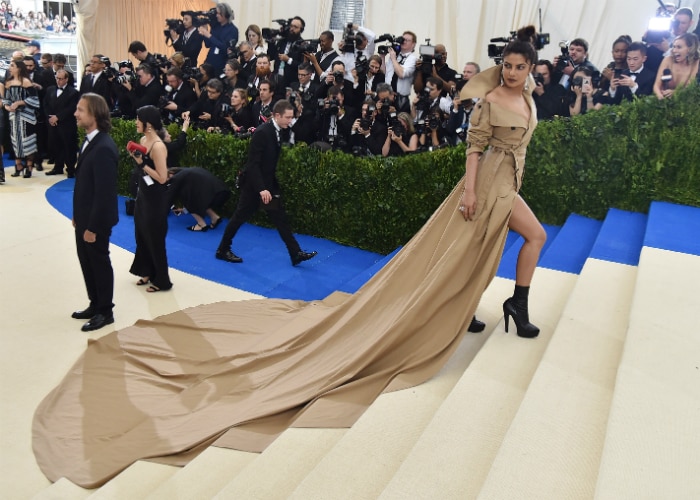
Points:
x=524 y=222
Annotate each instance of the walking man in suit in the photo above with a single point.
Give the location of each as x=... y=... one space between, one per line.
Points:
x=95 y=209
x=260 y=185
x=60 y=103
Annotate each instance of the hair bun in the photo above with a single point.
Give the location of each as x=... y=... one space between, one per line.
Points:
x=526 y=33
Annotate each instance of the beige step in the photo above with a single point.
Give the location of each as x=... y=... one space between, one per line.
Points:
x=454 y=454
x=136 y=481
x=652 y=447
x=554 y=444
x=367 y=456
x=204 y=476
x=277 y=471
x=63 y=489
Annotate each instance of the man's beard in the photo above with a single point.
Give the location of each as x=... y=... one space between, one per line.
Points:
x=262 y=72
x=293 y=37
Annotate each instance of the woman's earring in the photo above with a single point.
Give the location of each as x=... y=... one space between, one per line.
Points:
x=502 y=81
x=526 y=85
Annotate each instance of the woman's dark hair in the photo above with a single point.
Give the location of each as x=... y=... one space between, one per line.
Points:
x=523 y=44
x=208 y=70
x=23 y=73
x=626 y=39
x=150 y=115
x=97 y=108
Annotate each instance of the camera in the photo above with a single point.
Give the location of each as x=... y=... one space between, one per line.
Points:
x=427 y=56
x=350 y=39
x=434 y=122
x=292 y=96
x=225 y=110
x=307 y=45
x=577 y=81
x=394 y=43
x=538 y=40
x=192 y=74
x=424 y=101
x=338 y=77
x=126 y=64
x=270 y=34
x=127 y=77
x=173 y=25
x=202 y=17
x=539 y=79
x=333 y=107
x=253 y=91
x=232 y=51
x=162 y=61
x=395 y=124
x=361 y=65
x=163 y=101
x=565 y=59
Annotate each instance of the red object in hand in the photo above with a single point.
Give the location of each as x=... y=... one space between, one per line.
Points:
x=132 y=147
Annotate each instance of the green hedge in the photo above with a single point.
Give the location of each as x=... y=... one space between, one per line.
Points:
x=622 y=156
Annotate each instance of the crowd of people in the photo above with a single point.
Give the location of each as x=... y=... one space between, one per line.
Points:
x=16 y=20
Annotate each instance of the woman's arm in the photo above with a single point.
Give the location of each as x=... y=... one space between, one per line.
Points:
x=468 y=200
x=658 y=87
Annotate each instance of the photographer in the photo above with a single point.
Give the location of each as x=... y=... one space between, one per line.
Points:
x=577 y=58
x=325 y=56
x=430 y=108
x=263 y=73
x=199 y=78
x=619 y=62
x=262 y=108
x=550 y=97
x=336 y=120
x=206 y=113
x=358 y=41
x=366 y=83
x=336 y=77
x=146 y=91
x=238 y=116
x=400 y=69
x=303 y=98
x=218 y=36
x=248 y=60
x=439 y=69
x=401 y=137
x=583 y=94
x=139 y=51
x=284 y=51
x=372 y=130
x=637 y=80
x=180 y=98
x=232 y=77
x=190 y=42
x=96 y=80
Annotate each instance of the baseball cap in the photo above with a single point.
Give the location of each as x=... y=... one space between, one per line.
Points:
x=33 y=43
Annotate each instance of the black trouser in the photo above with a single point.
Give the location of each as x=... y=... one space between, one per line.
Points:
x=97 y=271
x=248 y=204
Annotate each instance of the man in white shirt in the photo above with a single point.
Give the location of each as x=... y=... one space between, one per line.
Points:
x=400 y=70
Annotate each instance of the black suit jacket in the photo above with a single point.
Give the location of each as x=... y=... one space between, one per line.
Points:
x=63 y=107
x=95 y=192
x=191 y=48
x=274 y=49
x=184 y=98
x=101 y=87
x=261 y=166
x=645 y=80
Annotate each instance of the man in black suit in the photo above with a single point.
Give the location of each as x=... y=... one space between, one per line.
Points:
x=306 y=127
x=59 y=62
x=180 y=97
x=146 y=91
x=60 y=103
x=260 y=185
x=262 y=108
x=285 y=52
x=95 y=209
x=190 y=42
x=640 y=79
x=96 y=80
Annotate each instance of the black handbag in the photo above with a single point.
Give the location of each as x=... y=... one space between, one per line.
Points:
x=130 y=205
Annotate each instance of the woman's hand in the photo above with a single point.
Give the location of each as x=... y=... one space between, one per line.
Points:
x=467 y=204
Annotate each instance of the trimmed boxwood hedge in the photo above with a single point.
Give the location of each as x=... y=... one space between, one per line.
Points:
x=621 y=156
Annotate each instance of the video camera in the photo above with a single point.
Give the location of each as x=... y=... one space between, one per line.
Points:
x=202 y=17
x=564 y=59
x=495 y=52
x=173 y=25
x=162 y=61
x=350 y=39
x=394 y=43
x=427 y=56
x=283 y=31
x=307 y=45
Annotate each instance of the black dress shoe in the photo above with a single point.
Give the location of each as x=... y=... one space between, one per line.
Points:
x=476 y=326
x=84 y=314
x=70 y=175
x=54 y=172
x=228 y=256
x=302 y=256
x=97 y=322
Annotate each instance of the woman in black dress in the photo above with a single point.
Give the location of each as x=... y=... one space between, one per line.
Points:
x=200 y=192
x=151 y=211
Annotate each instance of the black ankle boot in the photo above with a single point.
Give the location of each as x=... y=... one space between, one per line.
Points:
x=516 y=307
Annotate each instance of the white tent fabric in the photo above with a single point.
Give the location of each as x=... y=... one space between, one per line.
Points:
x=464 y=26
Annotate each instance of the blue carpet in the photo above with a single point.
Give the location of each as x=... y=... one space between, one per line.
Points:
x=621 y=237
x=266 y=270
x=572 y=245
x=673 y=227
